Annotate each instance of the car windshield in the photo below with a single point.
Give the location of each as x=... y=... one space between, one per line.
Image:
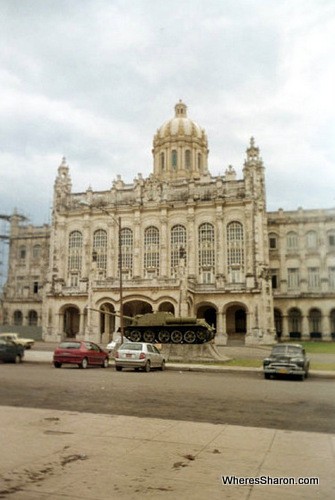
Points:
x=70 y=345
x=133 y=346
x=286 y=350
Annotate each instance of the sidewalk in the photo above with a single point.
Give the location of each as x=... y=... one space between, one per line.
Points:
x=49 y=454
x=56 y=455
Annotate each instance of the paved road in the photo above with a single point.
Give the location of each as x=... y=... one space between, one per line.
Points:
x=225 y=398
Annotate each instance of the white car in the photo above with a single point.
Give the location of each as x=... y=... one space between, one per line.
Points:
x=139 y=355
x=114 y=344
x=14 y=337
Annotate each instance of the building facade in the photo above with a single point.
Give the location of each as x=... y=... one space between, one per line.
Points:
x=183 y=241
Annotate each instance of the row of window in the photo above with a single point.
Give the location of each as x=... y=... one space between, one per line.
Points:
x=151 y=249
x=174 y=160
x=295 y=320
x=22 y=283
x=36 y=252
x=313 y=278
x=32 y=318
x=292 y=240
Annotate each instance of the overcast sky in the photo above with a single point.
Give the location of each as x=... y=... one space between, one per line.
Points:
x=93 y=80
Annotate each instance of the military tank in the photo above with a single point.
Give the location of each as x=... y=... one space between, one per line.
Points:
x=165 y=328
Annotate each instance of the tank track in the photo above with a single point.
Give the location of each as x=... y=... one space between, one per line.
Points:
x=169 y=334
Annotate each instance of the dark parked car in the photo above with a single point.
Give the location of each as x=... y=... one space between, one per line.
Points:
x=287 y=359
x=81 y=353
x=11 y=351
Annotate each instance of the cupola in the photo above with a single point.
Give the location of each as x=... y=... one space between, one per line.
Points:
x=180 y=148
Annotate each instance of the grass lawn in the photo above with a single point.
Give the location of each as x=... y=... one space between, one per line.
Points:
x=319 y=347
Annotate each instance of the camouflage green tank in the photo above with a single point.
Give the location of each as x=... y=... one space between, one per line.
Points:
x=165 y=328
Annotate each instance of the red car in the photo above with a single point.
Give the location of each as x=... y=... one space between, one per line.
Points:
x=81 y=353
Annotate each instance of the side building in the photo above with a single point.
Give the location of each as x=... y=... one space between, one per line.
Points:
x=302 y=260
x=185 y=242
x=27 y=271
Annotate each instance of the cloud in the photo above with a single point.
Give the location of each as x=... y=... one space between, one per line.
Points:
x=93 y=80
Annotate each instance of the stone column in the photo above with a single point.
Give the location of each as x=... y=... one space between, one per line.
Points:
x=221 y=334
x=304 y=328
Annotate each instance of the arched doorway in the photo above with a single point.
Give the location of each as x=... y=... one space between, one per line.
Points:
x=208 y=313
x=332 y=323
x=315 y=324
x=134 y=307
x=71 y=321
x=294 y=323
x=236 y=324
x=278 y=319
x=166 y=307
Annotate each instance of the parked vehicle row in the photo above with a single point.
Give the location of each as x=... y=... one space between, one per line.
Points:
x=285 y=359
x=137 y=355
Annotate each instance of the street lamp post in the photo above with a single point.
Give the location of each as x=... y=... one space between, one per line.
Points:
x=118 y=222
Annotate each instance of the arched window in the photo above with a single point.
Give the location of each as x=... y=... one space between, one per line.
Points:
x=18 y=318
x=331 y=239
x=22 y=252
x=314 y=281
x=188 y=159
x=206 y=252
x=75 y=251
x=100 y=248
x=199 y=161
x=36 y=251
x=174 y=159
x=332 y=323
x=162 y=161
x=278 y=320
x=127 y=251
x=315 y=323
x=293 y=278
x=32 y=318
x=292 y=241
x=331 y=277
x=235 y=252
x=311 y=240
x=273 y=241
x=151 y=252
x=294 y=323
x=178 y=247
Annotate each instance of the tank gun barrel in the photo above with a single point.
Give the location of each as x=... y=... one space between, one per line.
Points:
x=109 y=313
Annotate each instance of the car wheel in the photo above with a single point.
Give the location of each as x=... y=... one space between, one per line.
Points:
x=84 y=363
x=267 y=375
x=302 y=377
x=163 y=365
x=105 y=363
x=147 y=367
x=18 y=359
x=57 y=364
x=118 y=368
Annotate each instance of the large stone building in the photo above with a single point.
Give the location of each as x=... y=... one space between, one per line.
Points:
x=185 y=241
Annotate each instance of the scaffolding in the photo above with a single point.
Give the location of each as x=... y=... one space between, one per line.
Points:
x=4 y=240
